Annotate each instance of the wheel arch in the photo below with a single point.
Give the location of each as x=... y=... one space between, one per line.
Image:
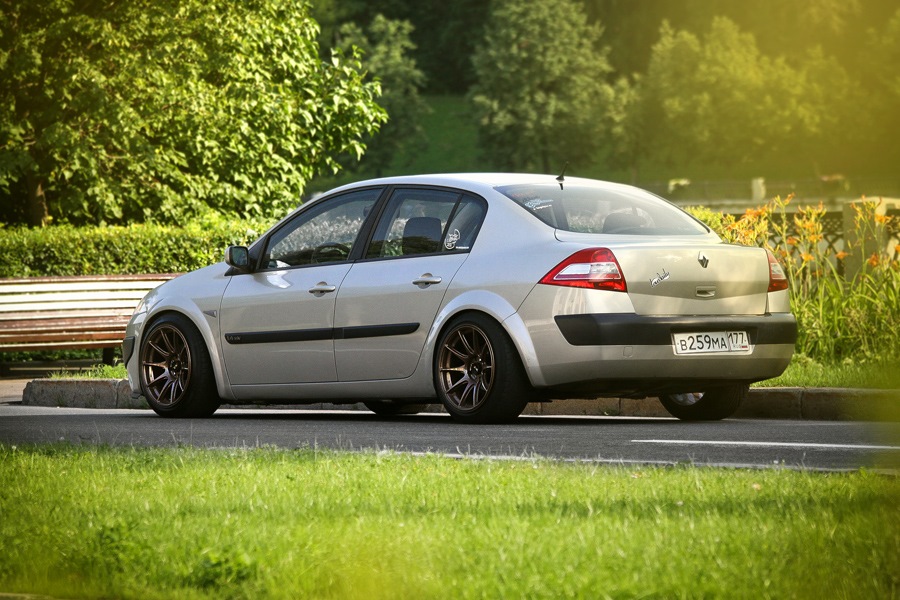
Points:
x=206 y=333
x=496 y=308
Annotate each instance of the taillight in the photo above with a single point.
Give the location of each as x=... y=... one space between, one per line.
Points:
x=593 y=268
x=777 y=279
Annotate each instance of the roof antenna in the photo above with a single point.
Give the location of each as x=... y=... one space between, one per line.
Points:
x=561 y=178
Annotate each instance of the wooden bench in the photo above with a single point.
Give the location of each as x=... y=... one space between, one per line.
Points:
x=62 y=313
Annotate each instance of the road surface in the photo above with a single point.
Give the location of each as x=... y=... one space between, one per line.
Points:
x=745 y=443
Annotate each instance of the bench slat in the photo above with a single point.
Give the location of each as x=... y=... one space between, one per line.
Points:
x=22 y=319
x=44 y=288
x=81 y=344
x=72 y=323
x=51 y=298
x=128 y=304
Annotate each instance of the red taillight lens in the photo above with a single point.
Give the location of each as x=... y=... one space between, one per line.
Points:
x=593 y=268
x=777 y=279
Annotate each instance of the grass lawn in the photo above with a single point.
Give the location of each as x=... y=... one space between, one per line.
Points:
x=82 y=522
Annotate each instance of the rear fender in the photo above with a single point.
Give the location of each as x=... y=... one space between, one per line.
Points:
x=494 y=306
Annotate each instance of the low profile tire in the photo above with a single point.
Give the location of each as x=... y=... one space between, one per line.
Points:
x=477 y=372
x=176 y=372
x=712 y=405
x=386 y=408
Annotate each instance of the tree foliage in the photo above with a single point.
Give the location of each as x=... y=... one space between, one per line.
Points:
x=540 y=90
x=119 y=111
x=717 y=99
x=386 y=55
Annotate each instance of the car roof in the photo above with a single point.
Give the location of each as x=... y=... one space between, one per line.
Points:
x=480 y=182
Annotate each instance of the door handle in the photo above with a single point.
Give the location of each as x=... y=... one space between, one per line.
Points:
x=427 y=279
x=322 y=288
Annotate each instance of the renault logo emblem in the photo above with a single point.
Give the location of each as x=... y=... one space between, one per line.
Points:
x=703 y=260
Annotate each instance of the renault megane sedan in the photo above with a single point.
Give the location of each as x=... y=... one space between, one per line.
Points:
x=479 y=291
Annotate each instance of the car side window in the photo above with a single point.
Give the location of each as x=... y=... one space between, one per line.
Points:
x=423 y=221
x=324 y=233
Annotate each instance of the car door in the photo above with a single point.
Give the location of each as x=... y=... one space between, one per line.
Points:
x=277 y=323
x=389 y=300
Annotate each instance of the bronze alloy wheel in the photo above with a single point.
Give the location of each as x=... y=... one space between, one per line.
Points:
x=466 y=367
x=166 y=365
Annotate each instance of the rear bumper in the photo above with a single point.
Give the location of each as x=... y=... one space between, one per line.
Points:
x=618 y=329
x=597 y=354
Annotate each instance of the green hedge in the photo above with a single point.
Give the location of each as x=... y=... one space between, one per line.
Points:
x=136 y=249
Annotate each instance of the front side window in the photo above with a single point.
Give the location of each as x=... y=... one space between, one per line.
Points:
x=593 y=209
x=324 y=233
x=423 y=221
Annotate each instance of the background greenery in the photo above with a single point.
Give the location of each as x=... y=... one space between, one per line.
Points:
x=150 y=111
x=132 y=249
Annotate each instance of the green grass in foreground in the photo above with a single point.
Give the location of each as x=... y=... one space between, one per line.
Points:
x=802 y=372
x=190 y=523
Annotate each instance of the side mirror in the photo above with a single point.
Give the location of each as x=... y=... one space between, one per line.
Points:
x=238 y=258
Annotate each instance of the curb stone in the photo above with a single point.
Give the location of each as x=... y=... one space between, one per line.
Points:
x=822 y=404
x=81 y=393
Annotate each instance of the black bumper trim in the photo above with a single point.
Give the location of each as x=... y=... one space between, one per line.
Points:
x=127 y=349
x=625 y=329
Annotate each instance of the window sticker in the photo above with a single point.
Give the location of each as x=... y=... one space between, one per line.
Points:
x=452 y=238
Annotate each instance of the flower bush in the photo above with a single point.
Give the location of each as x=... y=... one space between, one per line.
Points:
x=841 y=314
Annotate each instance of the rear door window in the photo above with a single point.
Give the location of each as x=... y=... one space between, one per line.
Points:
x=426 y=221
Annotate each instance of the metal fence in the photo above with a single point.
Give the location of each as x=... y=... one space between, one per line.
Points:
x=806 y=190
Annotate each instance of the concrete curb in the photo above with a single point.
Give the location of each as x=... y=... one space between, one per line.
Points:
x=81 y=393
x=822 y=404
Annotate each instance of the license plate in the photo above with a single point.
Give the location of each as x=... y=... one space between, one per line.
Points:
x=710 y=342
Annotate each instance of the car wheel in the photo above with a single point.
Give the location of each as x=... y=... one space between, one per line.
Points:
x=176 y=373
x=477 y=372
x=712 y=405
x=386 y=408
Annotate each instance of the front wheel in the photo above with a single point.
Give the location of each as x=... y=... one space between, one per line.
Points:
x=176 y=372
x=713 y=405
x=477 y=372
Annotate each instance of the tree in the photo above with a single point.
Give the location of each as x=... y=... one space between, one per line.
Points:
x=117 y=111
x=718 y=100
x=386 y=49
x=540 y=93
x=444 y=33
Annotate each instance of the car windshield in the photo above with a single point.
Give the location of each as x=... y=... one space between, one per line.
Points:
x=594 y=209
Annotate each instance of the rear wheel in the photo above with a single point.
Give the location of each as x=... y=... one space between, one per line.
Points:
x=712 y=405
x=176 y=373
x=477 y=372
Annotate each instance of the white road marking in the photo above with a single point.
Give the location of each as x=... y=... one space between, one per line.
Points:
x=768 y=444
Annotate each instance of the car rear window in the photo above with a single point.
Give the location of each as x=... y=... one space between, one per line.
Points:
x=595 y=209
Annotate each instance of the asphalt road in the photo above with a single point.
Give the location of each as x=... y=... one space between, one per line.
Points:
x=745 y=443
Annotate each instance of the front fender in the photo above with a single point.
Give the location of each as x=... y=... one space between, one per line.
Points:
x=197 y=296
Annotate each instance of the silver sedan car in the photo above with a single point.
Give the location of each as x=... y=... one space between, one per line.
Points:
x=483 y=292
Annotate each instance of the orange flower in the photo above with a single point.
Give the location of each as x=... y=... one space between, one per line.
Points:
x=897 y=248
x=882 y=219
x=791 y=241
x=873 y=260
x=807 y=257
x=842 y=255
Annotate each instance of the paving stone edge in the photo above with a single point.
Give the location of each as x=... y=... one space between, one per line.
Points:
x=762 y=403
